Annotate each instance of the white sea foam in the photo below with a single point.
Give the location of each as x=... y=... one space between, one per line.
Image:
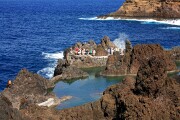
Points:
x=56 y=55
x=96 y=18
x=143 y=21
x=120 y=41
x=172 y=28
x=48 y=71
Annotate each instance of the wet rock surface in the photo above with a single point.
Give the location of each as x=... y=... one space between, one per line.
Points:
x=158 y=9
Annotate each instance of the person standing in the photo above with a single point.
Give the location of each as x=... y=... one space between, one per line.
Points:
x=9 y=84
x=94 y=52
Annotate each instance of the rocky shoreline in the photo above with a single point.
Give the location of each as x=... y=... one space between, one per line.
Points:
x=145 y=9
x=117 y=61
x=149 y=95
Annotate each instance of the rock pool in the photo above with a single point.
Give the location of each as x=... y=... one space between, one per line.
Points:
x=84 y=90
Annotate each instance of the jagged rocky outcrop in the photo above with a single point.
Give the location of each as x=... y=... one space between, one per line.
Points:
x=143 y=52
x=151 y=95
x=65 y=71
x=28 y=88
x=106 y=43
x=133 y=58
x=68 y=68
x=175 y=53
x=87 y=61
x=118 y=64
x=7 y=112
x=158 y=9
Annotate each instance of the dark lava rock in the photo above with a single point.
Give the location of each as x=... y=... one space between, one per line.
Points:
x=31 y=87
x=106 y=43
x=175 y=53
x=151 y=76
x=64 y=71
x=143 y=52
x=7 y=112
x=100 y=51
x=151 y=96
x=60 y=66
x=177 y=77
x=116 y=65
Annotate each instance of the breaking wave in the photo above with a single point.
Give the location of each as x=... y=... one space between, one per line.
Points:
x=120 y=41
x=96 y=18
x=143 y=21
x=52 y=58
x=172 y=28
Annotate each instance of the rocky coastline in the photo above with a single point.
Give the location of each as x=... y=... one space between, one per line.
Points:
x=117 y=61
x=151 y=94
x=146 y=9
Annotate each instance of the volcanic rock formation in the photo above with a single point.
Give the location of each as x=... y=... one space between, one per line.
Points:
x=131 y=61
x=68 y=68
x=152 y=95
x=28 y=88
x=7 y=112
x=166 y=9
x=175 y=53
x=65 y=71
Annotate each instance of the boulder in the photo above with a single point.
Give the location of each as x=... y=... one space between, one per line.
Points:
x=116 y=65
x=28 y=88
x=106 y=43
x=7 y=112
x=78 y=45
x=143 y=52
x=92 y=44
x=151 y=76
x=63 y=71
x=175 y=53
x=60 y=67
x=130 y=62
x=100 y=51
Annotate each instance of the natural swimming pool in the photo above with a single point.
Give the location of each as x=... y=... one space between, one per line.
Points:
x=84 y=90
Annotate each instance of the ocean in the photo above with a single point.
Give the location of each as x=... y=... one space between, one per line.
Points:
x=34 y=33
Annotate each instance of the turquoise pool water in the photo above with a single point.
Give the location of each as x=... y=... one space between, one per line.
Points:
x=84 y=90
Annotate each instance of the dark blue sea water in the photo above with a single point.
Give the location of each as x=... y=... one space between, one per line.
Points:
x=33 y=33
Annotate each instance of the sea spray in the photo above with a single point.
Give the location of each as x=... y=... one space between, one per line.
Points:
x=120 y=41
x=52 y=58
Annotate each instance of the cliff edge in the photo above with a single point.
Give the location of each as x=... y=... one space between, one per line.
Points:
x=157 y=9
